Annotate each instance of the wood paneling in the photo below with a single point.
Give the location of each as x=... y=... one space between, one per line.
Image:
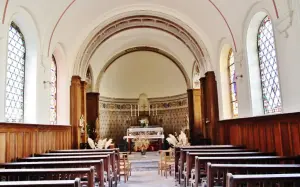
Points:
x=212 y=109
x=76 y=110
x=22 y=140
x=197 y=113
x=280 y=133
x=191 y=114
x=92 y=108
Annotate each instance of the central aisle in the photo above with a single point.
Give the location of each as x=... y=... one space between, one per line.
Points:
x=148 y=179
x=145 y=172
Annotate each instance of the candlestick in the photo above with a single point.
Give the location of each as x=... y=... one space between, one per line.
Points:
x=135 y=111
x=130 y=110
x=138 y=110
x=149 y=110
x=156 y=109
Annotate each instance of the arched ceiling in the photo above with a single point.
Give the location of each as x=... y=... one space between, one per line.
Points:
x=137 y=38
x=74 y=23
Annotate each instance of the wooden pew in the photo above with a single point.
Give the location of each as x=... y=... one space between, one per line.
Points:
x=117 y=153
x=108 y=165
x=49 y=174
x=54 y=183
x=98 y=164
x=177 y=152
x=216 y=173
x=200 y=162
x=190 y=158
x=113 y=158
x=184 y=151
x=280 y=180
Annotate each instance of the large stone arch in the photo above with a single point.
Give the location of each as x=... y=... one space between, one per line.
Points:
x=142 y=48
x=165 y=23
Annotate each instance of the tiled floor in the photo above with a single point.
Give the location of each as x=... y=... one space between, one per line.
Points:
x=148 y=179
x=145 y=172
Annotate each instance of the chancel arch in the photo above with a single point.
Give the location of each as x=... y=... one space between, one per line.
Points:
x=145 y=21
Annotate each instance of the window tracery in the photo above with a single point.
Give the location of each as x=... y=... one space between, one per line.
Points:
x=232 y=84
x=268 y=67
x=53 y=91
x=15 y=75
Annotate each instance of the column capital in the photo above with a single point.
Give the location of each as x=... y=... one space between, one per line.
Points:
x=75 y=79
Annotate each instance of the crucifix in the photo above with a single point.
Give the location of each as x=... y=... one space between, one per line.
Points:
x=144 y=106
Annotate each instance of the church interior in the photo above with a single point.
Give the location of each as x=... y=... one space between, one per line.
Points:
x=157 y=93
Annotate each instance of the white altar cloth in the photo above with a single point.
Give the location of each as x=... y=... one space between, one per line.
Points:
x=146 y=137
x=146 y=129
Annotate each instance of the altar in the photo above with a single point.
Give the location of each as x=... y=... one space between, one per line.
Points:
x=149 y=133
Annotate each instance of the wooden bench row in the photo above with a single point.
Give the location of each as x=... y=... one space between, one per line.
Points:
x=91 y=165
x=196 y=162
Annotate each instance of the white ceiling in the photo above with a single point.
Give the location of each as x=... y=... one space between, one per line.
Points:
x=71 y=22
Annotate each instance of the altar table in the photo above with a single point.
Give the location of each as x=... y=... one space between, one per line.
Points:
x=147 y=133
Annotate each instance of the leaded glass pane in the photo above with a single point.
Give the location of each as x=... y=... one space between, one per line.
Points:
x=15 y=75
x=196 y=77
x=268 y=67
x=232 y=84
x=53 y=92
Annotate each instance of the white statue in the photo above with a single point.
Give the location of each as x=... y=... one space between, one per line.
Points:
x=81 y=124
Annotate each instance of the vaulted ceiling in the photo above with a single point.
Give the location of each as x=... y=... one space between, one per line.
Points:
x=74 y=24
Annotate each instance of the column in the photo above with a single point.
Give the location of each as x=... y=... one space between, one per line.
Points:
x=203 y=107
x=83 y=109
x=75 y=110
x=212 y=111
x=92 y=109
x=191 y=114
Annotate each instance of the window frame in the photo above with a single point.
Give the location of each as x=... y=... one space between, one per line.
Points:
x=229 y=65
x=53 y=60
x=16 y=27
x=260 y=62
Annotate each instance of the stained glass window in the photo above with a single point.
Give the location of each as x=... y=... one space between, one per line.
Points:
x=196 y=77
x=268 y=67
x=53 y=92
x=232 y=84
x=15 y=75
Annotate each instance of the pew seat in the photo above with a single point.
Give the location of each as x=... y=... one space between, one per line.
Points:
x=54 y=183
x=278 y=180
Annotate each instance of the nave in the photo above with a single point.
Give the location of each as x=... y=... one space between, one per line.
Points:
x=202 y=165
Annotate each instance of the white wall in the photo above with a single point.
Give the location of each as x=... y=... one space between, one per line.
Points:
x=142 y=72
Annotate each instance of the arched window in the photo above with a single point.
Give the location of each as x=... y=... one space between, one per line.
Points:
x=53 y=92
x=15 y=75
x=268 y=67
x=196 y=76
x=232 y=84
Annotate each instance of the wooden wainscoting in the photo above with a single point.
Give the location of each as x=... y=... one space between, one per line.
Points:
x=280 y=133
x=22 y=140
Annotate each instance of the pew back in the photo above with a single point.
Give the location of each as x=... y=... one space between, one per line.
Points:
x=49 y=174
x=216 y=173
x=200 y=162
x=291 y=180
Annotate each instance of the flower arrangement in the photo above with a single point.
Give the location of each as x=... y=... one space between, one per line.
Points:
x=101 y=144
x=181 y=140
x=141 y=144
x=144 y=122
